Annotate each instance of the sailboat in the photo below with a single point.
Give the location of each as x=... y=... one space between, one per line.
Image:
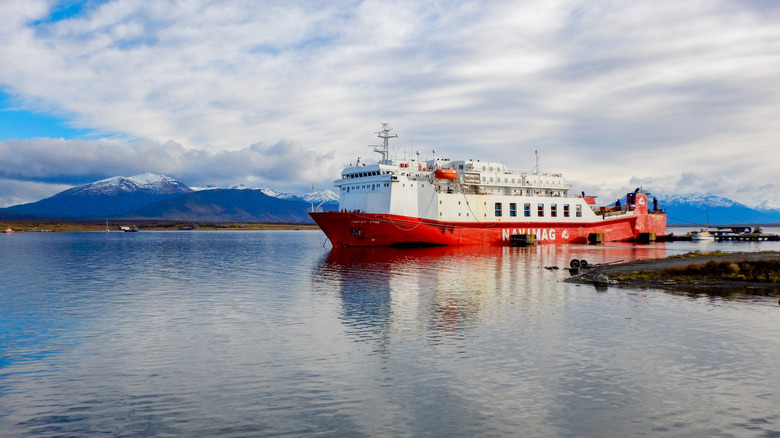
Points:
x=703 y=235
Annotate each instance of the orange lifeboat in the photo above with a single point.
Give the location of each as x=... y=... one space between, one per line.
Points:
x=449 y=174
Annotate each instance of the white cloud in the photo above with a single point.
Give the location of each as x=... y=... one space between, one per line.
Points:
x=53 y=165
x=606 y=91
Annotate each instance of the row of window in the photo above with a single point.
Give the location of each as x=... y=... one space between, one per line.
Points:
x=540 y=210
x=364 y=174
x=364 y=187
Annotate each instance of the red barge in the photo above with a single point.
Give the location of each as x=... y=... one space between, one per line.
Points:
x=444 y=202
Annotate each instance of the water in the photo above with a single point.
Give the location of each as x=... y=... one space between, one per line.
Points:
x=273 y=334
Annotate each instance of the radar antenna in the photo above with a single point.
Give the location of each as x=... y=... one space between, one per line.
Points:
x=385 y=148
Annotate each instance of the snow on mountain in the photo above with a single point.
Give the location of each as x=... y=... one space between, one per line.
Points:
x=712 y=209
x=317 y=197
x=279 y=195
x=704 y=199
x=767 y=206
x=321 y=197
x=233 y=187
x=147 y=182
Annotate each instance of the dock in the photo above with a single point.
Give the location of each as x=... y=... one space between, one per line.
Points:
x=728 y=234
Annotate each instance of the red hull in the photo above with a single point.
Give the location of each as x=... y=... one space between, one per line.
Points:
x=366 y=229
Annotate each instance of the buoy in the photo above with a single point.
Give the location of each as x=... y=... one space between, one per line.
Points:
x=574 y=263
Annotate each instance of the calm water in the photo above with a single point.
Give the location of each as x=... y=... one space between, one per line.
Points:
x=273 y=334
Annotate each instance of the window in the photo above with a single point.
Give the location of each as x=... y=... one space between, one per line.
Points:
x=553 y=210
x=513 y=209
x=540 y=210
x=579 y=210
x=498 y=209
x=527 y=210
x=565 y=210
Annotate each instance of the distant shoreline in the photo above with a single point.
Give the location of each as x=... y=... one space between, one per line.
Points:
x=113 y=225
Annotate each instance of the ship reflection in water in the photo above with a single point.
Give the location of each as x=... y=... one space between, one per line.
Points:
x=447 y=290
x=472 y=341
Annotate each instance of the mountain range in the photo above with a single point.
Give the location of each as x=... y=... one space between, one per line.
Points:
x=158 y=197
x=708 y=209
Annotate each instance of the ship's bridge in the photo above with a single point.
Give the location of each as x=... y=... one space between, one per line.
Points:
x=365 y=173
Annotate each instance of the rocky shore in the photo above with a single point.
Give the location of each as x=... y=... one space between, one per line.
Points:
x=746 y=272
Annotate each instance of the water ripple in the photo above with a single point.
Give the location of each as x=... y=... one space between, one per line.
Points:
x=270 y=334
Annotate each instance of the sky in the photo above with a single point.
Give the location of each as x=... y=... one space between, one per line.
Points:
x=673 y=96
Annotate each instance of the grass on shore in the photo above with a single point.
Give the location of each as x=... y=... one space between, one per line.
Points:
x=763 y=271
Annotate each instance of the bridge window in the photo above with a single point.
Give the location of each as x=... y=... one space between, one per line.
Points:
x=513 y=209
x=579 y=210
x=540 y=210
x=553 y=210
x=527 y=210
x=565 y=210
x=498 y=209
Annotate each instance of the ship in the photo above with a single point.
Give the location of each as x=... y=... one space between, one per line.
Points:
x=438 y=201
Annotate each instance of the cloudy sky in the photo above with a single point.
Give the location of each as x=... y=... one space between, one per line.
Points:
x=675 y=96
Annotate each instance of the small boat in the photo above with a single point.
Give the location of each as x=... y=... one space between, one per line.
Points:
x=450 y=174
x=702 y=236
x=132 y=229
x=8 y=231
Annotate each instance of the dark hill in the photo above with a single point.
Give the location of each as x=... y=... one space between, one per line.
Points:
x=101 y=199
x=224 y=205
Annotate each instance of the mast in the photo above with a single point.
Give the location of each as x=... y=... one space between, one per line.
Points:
x=538 y=170
x=385 y=148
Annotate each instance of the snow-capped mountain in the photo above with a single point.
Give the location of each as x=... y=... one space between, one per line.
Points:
x=701 y=208
x=148 y=182
x=211 y=187
x=275 y=194
x=158 y=197
x=105 y=198
x=768 y=206
x=316 y=197
x=322 y=196
x=704 y=199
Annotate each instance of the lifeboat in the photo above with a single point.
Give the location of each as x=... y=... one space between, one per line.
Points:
x=449 y=174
